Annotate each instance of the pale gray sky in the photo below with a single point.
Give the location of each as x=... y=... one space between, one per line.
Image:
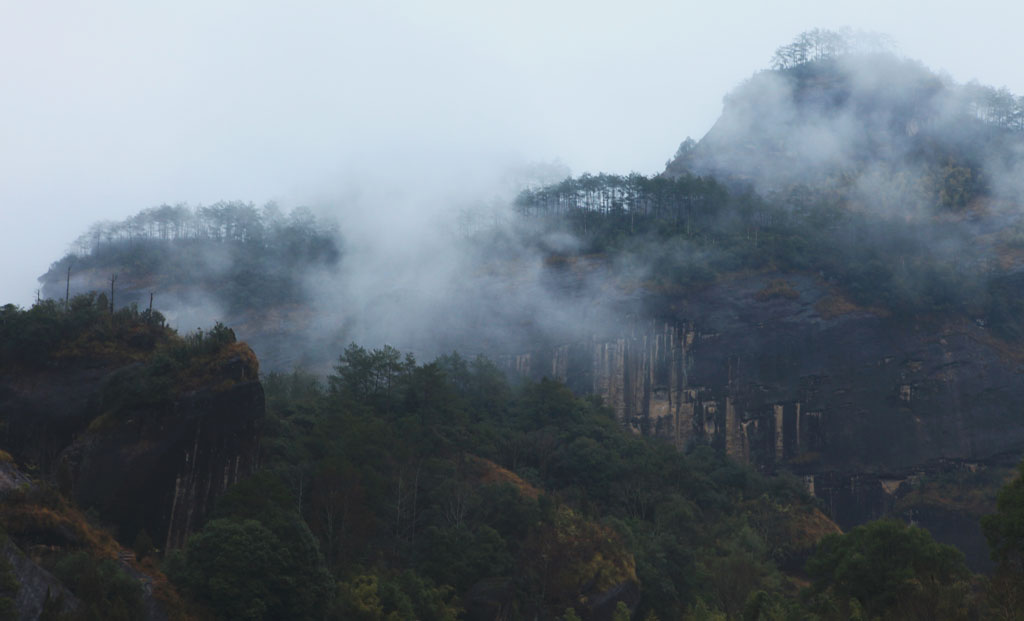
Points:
x=110 y=107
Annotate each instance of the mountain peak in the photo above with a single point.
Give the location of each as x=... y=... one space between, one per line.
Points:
x=833 y=118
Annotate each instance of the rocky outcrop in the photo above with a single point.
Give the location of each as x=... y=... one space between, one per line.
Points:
x=160 y=465
x=163 y=470
x=43 y=409
x=35 y=588
x=854 y=401
x=38 y=589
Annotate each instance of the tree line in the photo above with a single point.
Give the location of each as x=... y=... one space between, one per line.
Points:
x=634 y=202
x=996 y=106
x=822 y=44
x=245 y=257
x=231 y=221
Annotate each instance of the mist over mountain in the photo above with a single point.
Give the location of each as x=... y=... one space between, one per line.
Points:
x=688 y=383
x=889 y=180
x=878 y=130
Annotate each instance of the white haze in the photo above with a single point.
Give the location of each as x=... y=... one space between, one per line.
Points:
x=443 y=266
x=390 y=115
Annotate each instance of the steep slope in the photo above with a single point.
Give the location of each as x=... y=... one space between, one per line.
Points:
x=829 y=283
x=858 y=402
x=128 y=418
x=843 y=310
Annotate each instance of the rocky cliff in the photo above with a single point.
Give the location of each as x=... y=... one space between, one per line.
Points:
x=158 y=464
x=782 y=373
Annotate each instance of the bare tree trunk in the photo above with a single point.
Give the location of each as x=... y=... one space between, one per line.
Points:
x=113 y=279
x=67 y=289
x=415 y=508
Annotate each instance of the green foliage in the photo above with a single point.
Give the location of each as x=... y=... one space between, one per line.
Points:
x=359 y=600
x=199 y=343
x=621 y=612
x=373 y=378
x=701 y=612
x=369 y=597
x=8 y=586
x=409 y=591
x=236 y=568
x=50 y=334
x=105 y=590
x=570 y=615
x=893 y=254
x=1004 y=530
x=422 y=482
x=460 y=556
x=892 y=570
x=604 y=210
x=175 y=366
x=257 y=559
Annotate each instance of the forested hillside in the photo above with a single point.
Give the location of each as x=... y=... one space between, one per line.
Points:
x=690 y=231
x=117 y=435
x=442 y=491
x=689 y=385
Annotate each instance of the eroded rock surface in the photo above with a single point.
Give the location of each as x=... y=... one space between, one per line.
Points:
x=781 y=372
x=160 y=465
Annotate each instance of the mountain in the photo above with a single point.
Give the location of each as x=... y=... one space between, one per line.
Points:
x=815 y=308
x=829 y=279
x=143 y=428
x=848 y=123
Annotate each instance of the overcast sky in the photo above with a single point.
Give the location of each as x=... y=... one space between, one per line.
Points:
x=110 y=107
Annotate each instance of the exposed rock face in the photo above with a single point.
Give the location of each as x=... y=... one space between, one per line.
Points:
x=166 y=468
x=161 y=466
x=855 y=402
x=35 y=585
x=43 y=410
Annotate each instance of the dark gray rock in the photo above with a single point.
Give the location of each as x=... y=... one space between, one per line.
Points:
x=35 y=585
x=855 y=402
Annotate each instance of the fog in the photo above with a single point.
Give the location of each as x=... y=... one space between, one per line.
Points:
x=877 y=127
x=407 y=124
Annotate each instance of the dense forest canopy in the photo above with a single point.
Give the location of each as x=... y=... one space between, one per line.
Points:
x=635 y=200
x=443 y=488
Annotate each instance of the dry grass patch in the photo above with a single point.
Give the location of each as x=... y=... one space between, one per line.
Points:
x=777 y=288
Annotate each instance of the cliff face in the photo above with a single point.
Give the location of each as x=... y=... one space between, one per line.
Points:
x=160 y=466
x=784 y=374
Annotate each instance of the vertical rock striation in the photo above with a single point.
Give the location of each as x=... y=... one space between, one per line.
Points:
x=158 y=465
x=851 y=402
